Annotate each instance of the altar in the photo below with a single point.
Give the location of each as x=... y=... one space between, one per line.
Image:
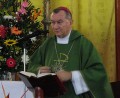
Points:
x=14 y=89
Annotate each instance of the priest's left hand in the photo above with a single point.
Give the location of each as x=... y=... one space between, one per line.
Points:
x=64 y=75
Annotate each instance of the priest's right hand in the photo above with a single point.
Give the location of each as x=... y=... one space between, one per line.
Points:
x=44 y=69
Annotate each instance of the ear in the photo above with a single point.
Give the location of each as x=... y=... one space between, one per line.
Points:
x=71 y=22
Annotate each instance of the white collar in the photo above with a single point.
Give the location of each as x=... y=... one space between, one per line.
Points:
x=64 y=40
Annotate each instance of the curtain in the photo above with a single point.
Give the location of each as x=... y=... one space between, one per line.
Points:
x=95 y=19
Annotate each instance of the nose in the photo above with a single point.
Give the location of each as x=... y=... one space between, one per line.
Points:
x=55 y=25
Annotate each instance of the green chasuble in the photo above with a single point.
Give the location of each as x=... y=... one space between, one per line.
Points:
x=78 y=54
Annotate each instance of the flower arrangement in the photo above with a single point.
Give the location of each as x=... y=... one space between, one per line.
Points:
x=17 y=20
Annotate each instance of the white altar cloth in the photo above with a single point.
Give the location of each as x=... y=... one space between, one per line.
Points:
x=15 y=89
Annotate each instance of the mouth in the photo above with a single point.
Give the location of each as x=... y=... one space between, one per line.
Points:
x=57 y=31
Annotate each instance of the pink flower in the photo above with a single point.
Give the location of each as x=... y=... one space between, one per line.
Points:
x=11 y=62
x=2 y=31
x=22 y=10
x=24 y=4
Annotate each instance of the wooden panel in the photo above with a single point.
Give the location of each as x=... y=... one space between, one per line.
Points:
x=117 y=10
x=116 y=89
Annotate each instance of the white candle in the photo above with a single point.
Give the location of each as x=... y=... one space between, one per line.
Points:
x=24 y=60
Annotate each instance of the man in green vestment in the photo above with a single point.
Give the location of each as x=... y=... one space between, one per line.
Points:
x=73 y=58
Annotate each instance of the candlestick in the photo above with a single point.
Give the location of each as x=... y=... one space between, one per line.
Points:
x=46 y=20
x=24 y=60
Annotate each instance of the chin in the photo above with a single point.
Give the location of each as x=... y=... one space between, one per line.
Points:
x=58 y=34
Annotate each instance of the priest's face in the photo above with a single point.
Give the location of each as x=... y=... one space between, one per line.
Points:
x=60 y=24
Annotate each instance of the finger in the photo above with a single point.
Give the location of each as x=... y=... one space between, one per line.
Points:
x=45 y=71
x=45 y=68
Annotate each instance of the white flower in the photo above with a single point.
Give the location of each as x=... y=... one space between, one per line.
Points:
x=26 y=59
x=1 y=47
x=33 y=39
x=8 y=17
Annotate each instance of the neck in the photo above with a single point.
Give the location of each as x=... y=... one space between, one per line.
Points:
x=63 y=40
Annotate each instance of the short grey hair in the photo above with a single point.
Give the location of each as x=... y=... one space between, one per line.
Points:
x=66 y=10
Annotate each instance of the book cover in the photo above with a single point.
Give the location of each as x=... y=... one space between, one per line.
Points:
x=48 y=82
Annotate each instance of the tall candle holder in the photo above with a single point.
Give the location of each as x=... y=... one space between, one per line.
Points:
x=46 y=20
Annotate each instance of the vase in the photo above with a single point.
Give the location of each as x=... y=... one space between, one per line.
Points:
x=9 y=76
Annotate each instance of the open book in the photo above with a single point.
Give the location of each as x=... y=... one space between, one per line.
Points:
x=48 y=82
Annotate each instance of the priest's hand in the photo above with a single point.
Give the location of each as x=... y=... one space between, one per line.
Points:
x=64 y=75
x=44 y=69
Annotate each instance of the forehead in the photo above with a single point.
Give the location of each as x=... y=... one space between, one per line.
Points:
x=58 y=16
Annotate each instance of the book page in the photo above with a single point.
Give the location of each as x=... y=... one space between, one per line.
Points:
x=29 y=74
x=44 y=74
